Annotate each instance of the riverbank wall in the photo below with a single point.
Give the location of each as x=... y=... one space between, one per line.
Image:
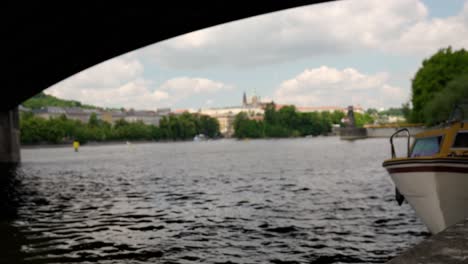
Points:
x=378 y=132
x=375 y=131
x=351 y=133
x=447 y=247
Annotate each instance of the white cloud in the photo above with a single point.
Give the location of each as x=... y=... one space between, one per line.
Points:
x=399 y=26
x=187 y=86
x=107 y=74
x=330 y=86
x=120 y=83
x=181 y=88
x=428 y=35
x=209 y=102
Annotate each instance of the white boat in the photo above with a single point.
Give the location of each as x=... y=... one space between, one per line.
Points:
x=433 y=177
x=200 y=137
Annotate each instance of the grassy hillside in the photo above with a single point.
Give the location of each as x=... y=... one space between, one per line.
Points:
x=42 y=100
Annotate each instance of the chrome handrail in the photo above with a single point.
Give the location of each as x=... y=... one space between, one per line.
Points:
x=393 y=147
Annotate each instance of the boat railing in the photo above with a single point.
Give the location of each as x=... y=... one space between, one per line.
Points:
x=408 y=145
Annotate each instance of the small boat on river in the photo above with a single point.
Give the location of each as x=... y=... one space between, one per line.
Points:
x=433 y=177
x=200 y=137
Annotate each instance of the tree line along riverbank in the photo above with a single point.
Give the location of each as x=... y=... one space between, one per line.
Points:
x=61 y=130
x=286 y=122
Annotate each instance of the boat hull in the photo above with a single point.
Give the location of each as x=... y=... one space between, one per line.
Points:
x=437 y=189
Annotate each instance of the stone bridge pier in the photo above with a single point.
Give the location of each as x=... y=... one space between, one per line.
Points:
x=9 y=137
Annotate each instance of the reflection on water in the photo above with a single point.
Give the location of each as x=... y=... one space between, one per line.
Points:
x=318 y=200
x=10 y=241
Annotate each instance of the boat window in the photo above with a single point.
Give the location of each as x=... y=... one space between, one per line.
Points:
x=461 y=140
x=426 y=146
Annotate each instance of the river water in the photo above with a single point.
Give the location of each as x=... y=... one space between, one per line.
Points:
x=309 y=200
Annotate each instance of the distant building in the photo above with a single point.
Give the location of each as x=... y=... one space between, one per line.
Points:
x=358 y=109
x=226 y=124
x=114 y=116
x=226 y=115
x=234 y=110
x=21 y=108
x=49 y=112
x=319 y=109
x=74 y=113
x=388 y=119
x=396 y=119
x=147 y=117
x=163 y=111
x=253 y=102
x=107 y=117
x=83 y=115
x=179 y=111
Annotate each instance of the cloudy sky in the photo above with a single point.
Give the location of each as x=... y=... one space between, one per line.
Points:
x=341 y=53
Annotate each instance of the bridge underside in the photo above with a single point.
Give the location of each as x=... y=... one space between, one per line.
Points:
x=9 y=137
x=43 y=44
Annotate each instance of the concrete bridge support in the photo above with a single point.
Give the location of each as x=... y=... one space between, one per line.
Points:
x=9 y=137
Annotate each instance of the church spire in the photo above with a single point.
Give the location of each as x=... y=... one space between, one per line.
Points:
x=244 y=100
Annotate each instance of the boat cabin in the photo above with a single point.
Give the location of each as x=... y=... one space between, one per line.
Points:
x=443 y=142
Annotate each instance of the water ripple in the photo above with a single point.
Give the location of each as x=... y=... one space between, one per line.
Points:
x=265 y=201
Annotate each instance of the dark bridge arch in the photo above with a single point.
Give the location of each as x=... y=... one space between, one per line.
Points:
x=46 y=44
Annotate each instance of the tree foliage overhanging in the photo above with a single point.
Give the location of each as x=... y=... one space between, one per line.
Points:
x=36 y=130
x=442 y=105
x=287 y=122
x=438 y=85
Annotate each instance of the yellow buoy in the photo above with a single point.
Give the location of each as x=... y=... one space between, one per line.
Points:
x=76 y=145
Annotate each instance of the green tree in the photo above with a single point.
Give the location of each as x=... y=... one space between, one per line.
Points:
x=155 y=132
x=33 y=129
x=286 y=122
x=372 y=111
x=392 y=111
x=43 y=100
x=441 y=106
x=406 y=110
x=60 y=130
x=275 y=131
x=336 y=117
x=165 y=128
x=310 y=124
x=246 y=128
x=271 y=116
x=362 y=119
x=434 y=75
x=93 y=120
x=209 y=126
x=288 y=117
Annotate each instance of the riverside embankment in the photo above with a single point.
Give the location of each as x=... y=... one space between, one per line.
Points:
x=447 y=247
